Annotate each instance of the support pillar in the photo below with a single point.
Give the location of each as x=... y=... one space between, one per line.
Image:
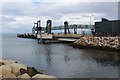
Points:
x=75 y=29
x=48 y=26
x=66 y=27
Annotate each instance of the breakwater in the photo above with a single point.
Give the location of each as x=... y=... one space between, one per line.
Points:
x=10 y=69
x=27 y=35
x=106 y=43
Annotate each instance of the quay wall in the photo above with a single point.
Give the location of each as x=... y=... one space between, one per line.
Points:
x=111 y=43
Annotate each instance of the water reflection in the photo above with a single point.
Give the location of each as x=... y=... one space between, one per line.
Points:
x=66 y=58
x=48 y=54
x=103 y=58
x=62 y=60
x=65 y=61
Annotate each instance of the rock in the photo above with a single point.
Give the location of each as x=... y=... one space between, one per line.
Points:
x=16 y=68
x=11 y=61
x=44 y=77
x=109 y=42
x=23 y=71
x=24 y=77
x=0 y=76
x=1 y=63
x=7 y=62
x=5 y=70
x=10 y=70
x=9 y=75
x=0 y=71
x=31 y=71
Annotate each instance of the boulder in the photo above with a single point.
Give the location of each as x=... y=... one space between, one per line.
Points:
x=24 y=77
x=31 y=71
x=16 y=68
x=23 y=71
x=44 y=77
x=9 y=75
x=1 y=63
x=5 y=70
x=7 y=62
x=11 y=61
x=0 y=76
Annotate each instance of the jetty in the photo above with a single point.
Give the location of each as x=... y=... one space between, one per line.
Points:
x=101 y=37
x=44 y=34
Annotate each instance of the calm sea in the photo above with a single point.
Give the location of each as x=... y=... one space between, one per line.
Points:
x=59 y=59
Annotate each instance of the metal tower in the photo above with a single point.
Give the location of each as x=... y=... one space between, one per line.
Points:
x=66 y=27
x=48 y=26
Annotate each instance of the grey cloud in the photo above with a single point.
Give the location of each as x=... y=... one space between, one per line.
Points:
x=48 y=9
x=9 y=8
x=56 y=11
x=7 y=19
x=109 y=8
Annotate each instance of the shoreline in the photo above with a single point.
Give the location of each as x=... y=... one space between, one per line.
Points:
x=10 y=69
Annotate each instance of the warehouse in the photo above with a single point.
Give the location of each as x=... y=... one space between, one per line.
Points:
x=107 y=27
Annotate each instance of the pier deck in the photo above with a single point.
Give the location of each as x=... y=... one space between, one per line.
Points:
x=59 y=37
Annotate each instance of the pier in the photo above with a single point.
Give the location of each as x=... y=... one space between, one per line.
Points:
x=43 y=34
x=97 y=39
x=58 y=37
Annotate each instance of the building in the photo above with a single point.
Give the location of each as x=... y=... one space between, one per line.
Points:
x=106 y=27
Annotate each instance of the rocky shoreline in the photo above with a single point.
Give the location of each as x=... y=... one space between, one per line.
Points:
x=10 y=69
x=104 y=43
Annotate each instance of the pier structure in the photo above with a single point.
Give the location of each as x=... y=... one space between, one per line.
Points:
x=66 y=37
x=48 y=36
x=105 y=37
x=66 y=27
x=75 y=29
x=48 y=26
x=38 y=27
x=34 y=29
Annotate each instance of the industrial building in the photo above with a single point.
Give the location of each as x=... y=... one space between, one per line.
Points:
x=107 y=27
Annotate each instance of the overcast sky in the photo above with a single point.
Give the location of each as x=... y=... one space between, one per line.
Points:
x=18 y=17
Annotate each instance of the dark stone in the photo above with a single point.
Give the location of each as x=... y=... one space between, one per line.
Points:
x=31 y=71
x=1 y=63
x=22 y=71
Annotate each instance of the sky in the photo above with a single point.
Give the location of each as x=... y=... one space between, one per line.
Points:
x=19 y=16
